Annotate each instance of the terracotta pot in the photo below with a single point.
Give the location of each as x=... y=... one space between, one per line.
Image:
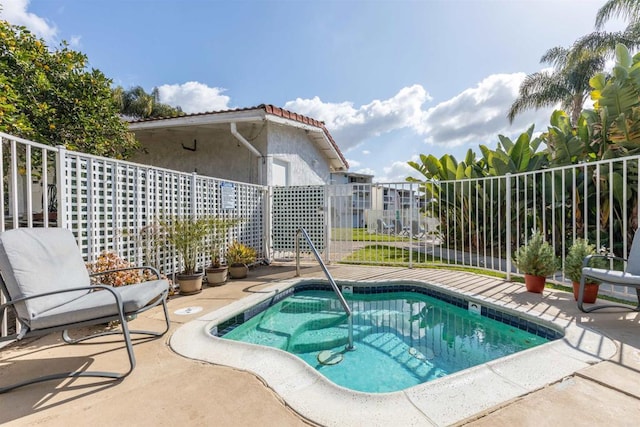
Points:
x=534 y=283
x=216 y=275
x=590 y=292
x=238 y=271
x=190 y=283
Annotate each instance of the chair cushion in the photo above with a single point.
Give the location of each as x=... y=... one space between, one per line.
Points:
x=38 y=260
x=100 y=304
x=614 y=277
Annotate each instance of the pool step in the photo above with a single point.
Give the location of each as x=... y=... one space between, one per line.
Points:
x=327 y=338
x=278 y=331
x=309 y=304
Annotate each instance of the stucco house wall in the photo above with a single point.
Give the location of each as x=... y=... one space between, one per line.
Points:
x=307 y=165
x=217 y=153
x=263 y=145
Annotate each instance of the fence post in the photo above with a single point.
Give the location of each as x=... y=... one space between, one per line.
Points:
x=411 y=201
x=507 y=193
x=192 y=196
x=61 y=155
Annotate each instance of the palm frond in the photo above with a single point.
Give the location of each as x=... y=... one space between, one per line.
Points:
x=626 y=9
x=556 y=56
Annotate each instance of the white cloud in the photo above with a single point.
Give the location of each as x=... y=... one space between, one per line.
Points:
x=475 y=116
x=194 y=97
x=351 y=126
x=74 y=43
x=398 y=172
x=478 y=115
x=15 y=11
x=353 y=163
x=366 y=171
x=366 y=152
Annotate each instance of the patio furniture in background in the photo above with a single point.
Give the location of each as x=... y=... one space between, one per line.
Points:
x=46 y=282
x=417 y=231
x=383 y=228
x=398 y=228
x=627 y=278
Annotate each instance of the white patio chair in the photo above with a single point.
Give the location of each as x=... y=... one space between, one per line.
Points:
x=46 y=282
x=628 y=278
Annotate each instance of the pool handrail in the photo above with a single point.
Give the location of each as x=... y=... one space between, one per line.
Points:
x=343 y=302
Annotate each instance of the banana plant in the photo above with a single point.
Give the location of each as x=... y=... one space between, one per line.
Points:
x=515 y=157
x=447 y=182
x=617 y=105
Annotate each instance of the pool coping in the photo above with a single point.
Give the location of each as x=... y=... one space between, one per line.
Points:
x=444 y=401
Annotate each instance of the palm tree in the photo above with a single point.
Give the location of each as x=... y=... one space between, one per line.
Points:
x=567 y=84
x=137 y=103
x=606 y=42
x=628 y=9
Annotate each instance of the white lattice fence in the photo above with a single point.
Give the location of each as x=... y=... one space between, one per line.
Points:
x=109 y=204
x=295 y=207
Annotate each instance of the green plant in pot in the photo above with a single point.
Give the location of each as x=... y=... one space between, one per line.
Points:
x=536 y=260
x=238 y=256
x=573 y=269
x=217 y=270
x=187 y=236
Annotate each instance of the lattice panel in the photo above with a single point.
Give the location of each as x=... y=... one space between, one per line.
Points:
x=111 y=204
x=295 y=207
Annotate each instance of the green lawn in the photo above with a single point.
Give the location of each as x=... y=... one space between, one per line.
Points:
x=385 y=255
x=362 y=235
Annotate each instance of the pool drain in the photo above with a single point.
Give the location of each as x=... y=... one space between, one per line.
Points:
x=328 y=357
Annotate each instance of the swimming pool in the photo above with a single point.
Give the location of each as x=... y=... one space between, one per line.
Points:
x=443 y=401
x=403 y=336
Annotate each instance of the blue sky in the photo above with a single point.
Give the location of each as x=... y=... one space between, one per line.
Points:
x=391 y=79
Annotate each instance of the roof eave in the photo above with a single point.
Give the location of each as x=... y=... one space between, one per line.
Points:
x=204 y=119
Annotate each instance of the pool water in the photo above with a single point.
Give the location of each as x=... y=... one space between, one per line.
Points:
x=401 y=339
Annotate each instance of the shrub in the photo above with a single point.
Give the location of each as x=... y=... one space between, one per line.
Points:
x=537 y=257
x=237 y=253
x=110 y=261
x=573 y=262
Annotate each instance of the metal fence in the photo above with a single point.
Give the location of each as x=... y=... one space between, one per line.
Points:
x=481 y=222
x=475 y=222
x=109 y=203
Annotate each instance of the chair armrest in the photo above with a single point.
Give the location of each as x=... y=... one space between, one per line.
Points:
x=23 y=332
x=144 y=267
x=588 y=258
x=61 y=291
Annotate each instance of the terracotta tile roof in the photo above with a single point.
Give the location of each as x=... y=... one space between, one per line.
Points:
x=269 y=109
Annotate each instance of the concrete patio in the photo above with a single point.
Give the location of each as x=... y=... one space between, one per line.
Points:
x=167 y=389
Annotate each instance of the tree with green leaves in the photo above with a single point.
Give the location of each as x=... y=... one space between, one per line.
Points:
x=605 y=41
x=627 y=9
x=137 y=103
x=567 y=84
x=50 y=96
x=615 y=120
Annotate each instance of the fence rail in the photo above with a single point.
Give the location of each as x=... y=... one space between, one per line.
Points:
x=481 y=222
x=109 y=204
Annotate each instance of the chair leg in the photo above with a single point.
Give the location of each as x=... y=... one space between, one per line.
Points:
x=601 y=306
x=69 y=340
x=100 y=374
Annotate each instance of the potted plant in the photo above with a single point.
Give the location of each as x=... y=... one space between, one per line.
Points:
x=217 y=270
x=536 y=260
x=573 y=269
x=187 y=236
x=238 y=256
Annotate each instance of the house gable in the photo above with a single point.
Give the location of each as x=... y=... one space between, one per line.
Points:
x=309 y=139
